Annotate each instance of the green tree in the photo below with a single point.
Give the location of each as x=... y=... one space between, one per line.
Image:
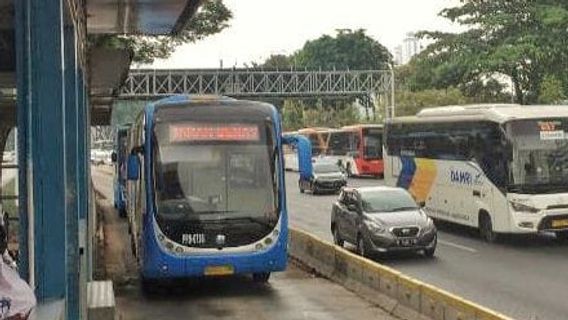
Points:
x=522 y=39
x=551 y=91
x=409 y=103
x=211 y=18
x=276 y=61
x=349 y=49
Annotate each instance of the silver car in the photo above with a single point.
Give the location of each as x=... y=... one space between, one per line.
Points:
x=380 y=220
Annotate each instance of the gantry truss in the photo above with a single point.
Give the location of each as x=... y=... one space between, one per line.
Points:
x=256 y=83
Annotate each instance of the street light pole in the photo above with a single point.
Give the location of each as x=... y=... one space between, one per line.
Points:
x=392 y=90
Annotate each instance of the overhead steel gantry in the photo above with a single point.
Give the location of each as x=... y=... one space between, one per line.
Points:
x=251 y=83
x=255 y=83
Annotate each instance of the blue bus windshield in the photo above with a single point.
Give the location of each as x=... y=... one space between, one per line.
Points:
x=215 y=178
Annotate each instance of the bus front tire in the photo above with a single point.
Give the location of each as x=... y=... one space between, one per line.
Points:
x=149 y=287
x=261 y=277
x=486 y=228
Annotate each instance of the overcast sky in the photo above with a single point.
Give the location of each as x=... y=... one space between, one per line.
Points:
x=260 y=28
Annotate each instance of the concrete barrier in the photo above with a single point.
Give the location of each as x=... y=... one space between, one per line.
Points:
x=402 y=296
x=101 y=304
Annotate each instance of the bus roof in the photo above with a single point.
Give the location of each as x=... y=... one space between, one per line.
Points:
x=493 y=112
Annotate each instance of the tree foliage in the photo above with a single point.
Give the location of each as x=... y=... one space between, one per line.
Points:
x=349 y=49
x=524 y=40
x=409 y=103
x=212 y=17
x=296 y=114
x=551 y=91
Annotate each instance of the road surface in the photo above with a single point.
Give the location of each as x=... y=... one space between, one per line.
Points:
x=524 y=278
x=294 y=294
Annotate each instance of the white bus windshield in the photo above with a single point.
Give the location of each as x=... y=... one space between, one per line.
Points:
x=540 y=155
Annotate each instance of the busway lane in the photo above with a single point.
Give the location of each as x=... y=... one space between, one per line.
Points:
x=522 y=277
x=294 y=294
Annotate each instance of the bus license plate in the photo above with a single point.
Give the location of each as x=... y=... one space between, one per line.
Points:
x=219 y=270
x=560 y=223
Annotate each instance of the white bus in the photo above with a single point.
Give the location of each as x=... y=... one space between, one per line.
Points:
x=499 y=168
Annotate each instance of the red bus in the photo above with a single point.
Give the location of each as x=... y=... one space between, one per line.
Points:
x=318 y=137
x=358 y=149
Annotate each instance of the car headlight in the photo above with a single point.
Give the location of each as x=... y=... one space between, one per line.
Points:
x=374 y=227
x=523 y=207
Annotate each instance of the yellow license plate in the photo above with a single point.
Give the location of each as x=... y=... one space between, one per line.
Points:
x=219 y=270
x=560 y=223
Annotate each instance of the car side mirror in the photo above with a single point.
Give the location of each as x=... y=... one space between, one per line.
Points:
x=113 y=157
x=133 y=167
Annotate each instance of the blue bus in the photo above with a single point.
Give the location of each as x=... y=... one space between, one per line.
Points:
x=206 y=190
x=119 y=157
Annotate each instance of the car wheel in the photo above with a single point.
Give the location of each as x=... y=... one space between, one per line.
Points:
x=486 y=228
x=362 y=247
x=562 y=235
x=337 y=237
x=261 y=277
x=314 y=189
x=300 y=186
x=429 y=253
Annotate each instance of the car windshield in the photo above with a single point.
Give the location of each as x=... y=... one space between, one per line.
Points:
x=380 y=201
x=325 y=168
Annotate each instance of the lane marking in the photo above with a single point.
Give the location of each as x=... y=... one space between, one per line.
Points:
x=457 y=246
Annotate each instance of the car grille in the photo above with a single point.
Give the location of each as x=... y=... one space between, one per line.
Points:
x=405 y=232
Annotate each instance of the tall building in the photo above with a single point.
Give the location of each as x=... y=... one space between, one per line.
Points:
x=398 y=54
x=410 y=47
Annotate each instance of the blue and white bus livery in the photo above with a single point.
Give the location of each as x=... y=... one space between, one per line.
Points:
x=208 y=189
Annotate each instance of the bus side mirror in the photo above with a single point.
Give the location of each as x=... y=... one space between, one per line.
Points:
x=113 y=157
x=133 y=167
x=305 y=157
x=304 y=148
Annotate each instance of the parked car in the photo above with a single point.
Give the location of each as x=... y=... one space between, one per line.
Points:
x=326 y=177
x=380 y=220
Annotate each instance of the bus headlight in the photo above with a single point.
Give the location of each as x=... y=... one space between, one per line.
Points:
x=523 y=207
